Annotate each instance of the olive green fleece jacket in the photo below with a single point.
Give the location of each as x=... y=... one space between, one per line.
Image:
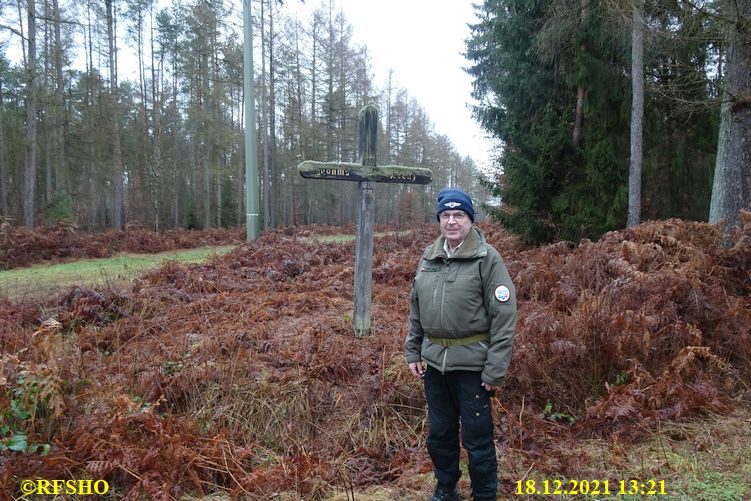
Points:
x=461 y=296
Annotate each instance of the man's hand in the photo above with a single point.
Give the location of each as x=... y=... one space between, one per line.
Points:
x=490 y=388
x=417 y=369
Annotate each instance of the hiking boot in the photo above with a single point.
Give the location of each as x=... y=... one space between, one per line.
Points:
x=446 y=493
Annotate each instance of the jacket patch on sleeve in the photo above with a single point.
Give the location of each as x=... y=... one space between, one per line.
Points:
x=502 y=293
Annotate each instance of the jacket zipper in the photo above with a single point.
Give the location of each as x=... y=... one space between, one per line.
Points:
x=443 y=297
x=443 y=290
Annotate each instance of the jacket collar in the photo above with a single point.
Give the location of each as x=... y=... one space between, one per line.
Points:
x=473 y=247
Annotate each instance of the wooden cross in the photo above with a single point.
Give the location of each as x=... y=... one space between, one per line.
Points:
x=365 y=173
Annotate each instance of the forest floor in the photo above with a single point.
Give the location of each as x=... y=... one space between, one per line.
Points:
x=239 y=378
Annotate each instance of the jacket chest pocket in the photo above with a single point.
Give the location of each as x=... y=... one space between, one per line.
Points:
x=428 y=282
x=465 y=282
x=452 y=271
x=427 y=276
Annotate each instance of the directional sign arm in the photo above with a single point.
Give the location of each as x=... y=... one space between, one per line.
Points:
x=343 y=171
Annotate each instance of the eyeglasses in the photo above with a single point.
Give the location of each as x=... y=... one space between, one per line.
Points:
x=458 y=216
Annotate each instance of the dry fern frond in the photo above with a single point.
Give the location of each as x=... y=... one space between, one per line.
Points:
x=51 y=325
x=51 y=390
x=687 y=363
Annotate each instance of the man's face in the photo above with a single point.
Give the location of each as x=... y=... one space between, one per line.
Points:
x=455 y=225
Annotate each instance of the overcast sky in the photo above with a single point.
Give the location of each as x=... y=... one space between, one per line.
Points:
x=422 y=41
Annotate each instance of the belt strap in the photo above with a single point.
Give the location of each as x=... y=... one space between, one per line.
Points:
x=462 y=341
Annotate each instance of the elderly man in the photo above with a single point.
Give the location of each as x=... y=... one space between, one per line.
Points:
x=461 y=329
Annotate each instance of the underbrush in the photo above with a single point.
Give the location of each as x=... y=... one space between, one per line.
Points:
x=240 y=378
x=43 y=281
x=64 y=242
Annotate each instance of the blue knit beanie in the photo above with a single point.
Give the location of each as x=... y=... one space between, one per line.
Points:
x=455 y=199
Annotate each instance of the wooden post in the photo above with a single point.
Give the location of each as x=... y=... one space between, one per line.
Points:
x=366 y=173
x=363 y=259
x=368 y=130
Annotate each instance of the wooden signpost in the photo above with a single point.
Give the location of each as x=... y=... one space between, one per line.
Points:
x=366 y=173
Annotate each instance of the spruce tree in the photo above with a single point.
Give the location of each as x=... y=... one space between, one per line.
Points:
x=531 y=61
x=554 y=80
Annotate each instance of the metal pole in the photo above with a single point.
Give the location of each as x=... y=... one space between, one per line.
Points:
x=252 y=220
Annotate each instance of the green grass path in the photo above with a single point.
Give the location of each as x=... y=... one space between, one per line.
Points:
x=44 y=280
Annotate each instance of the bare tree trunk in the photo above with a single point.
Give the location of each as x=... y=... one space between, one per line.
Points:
x=90 y=167
x=202 y=162
x=581 y=91
x=389 y=90
x=216 y=160
x=174 y=178
x=3 y=161
x=330 y=123
x=240 y=167
x=731 y=188
x=48 y=110
x=637 y=114
x=30 y=172
x=263 y=127
x=140 y=193
x=155 y=167
x=61 y=174
x=118 y=201
x=219 y=199
x=297 y=208
x=273 y=174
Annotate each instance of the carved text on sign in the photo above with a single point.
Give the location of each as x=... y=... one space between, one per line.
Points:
x=403 y=177
x=333 y=172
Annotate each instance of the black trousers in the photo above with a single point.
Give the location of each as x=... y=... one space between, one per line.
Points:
x=458 y=397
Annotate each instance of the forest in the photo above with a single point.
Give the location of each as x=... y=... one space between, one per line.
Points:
x=605 y=113
x=156 y=138
x=611 y=112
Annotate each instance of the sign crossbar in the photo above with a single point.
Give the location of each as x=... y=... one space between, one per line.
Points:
x=366 y=174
